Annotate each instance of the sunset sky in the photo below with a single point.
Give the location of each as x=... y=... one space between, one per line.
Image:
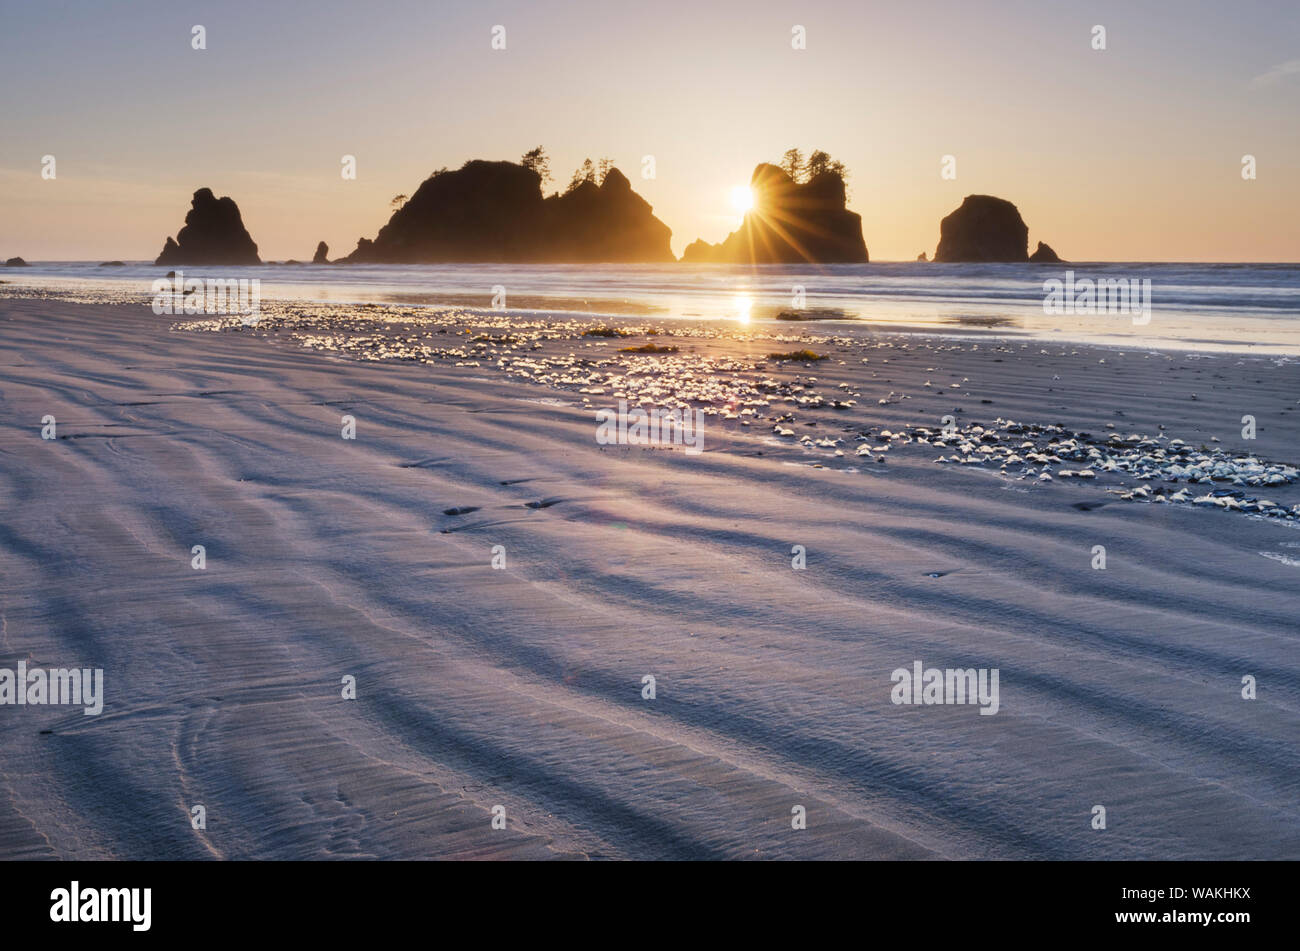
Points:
x=1131 y=153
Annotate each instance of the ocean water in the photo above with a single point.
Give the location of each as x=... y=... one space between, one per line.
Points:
x=1252 y=307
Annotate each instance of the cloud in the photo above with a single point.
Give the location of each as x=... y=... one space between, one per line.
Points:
x=1278 y=73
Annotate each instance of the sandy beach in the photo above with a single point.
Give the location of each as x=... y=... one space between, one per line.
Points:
x=522 y=686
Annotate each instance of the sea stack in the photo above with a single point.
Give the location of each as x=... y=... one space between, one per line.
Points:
x=605 y=222
x=1045 y=255
x=322 y=254
x=214 y=233
x=495 y=211
x=790 y=223
x=16 y=262
x=984 y=228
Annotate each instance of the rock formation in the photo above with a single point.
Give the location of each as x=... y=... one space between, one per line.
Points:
x=605 y=222
x=214 y=233
x=984 y=228
x=494 y=211
x=322 y=254
x=16 y=262
x=790 y=223
x=1045 y=255
x=922 y=257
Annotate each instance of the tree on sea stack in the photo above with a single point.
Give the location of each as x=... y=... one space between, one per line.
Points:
x=792 y=164
x=538 y=161
x=789 y=221
x=820 y=163
x=496 y=211
x=586 y=172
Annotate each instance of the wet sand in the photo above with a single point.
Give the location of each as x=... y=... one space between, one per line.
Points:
x=522 y=686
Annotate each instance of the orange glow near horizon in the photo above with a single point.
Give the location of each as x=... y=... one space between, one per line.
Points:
x=685 y=114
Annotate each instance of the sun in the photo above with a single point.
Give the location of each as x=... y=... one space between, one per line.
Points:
x=742 y=199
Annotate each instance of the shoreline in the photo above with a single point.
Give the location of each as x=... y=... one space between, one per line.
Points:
x=532 y=307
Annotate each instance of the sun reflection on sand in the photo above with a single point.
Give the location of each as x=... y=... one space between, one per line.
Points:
x=742 y=306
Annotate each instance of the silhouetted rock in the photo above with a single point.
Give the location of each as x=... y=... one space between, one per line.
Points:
x=984 y=228
x=605 y=222
x=214 y=233
x=922 y=257
x=790 y=223
x=1045 y=255
x=322 y=254
x=699 y=251
x=112 y=264
x=494 y=211
x=16 y=262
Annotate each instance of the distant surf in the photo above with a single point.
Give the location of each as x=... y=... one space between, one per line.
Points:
x=1192 y=306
